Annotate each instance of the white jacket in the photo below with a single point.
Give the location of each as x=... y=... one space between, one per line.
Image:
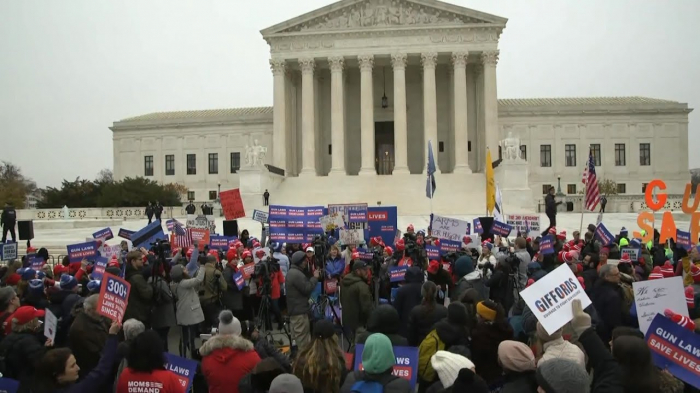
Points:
x=562 y=349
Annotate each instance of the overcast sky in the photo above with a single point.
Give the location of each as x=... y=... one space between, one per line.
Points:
x=69 y=68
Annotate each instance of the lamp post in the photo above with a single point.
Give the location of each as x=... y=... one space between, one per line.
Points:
x=559 y=193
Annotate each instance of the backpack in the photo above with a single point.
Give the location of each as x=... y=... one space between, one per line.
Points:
x=370 y=386
x=427 y=348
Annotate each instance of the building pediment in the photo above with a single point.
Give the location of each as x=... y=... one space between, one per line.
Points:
x=349 y=15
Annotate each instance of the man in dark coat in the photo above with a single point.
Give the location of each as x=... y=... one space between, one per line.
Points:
x=607 y=300
x=550 y=208
x=299 y=288
x=190 y=209
x=355 y=298
x=158 y=210
x=408 y=296
x=8 y=221
x=149 y=212
x=266 y=198
x=24 y=346
x=88 y=335
x=141 y=294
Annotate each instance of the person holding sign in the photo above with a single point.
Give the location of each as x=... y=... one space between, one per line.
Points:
x=88 y=335
x=378 y=362
x=188 y=311
x=356 y=298
x=146 y=367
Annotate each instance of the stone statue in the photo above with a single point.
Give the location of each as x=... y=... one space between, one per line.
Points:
x=510 y=147
x=255 y=155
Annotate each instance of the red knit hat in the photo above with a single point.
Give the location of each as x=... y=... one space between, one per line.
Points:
x=436 y=242
x=400 y=245
x=433 y=267
x=566 y=256
x=530 y=281
x=656 y=273
x=553 y=230
x=246 y=254
x=625 y=258
x=565 y=247
x=260 y=253
x=562 y=235
x=355 y=255
x=667 y=269
x=15 y=278
x=690 y=297
x=388 y=250
x=679 y=319
x=695 y=273
x=410 y=228
x=580 y=281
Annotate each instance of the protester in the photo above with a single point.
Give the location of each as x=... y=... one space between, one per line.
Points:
x=447 y=366
x=146 y=366
x=263 y=347
x=637 y=369
x=356 y=298
x=335 y=264
x=163 y=311
x=24 y=346
x=9 y=303
x=500 y=287
x=607 y=300
x=518 y=365
x=320 y=365
x=286 y=383
x=408 y=296
x=524 y=258
x=88 y=335
x=261 y=377
x=141 y=293
x=8 y=220
x=378 y=361
x=555 y=347
x=468 y=279
x=487 y=260
x=424 y=316
x=491 y=329
x=384 y=319
x=232 y=297
x=210 y=292
x=227 y=357
x=299 y=288
x=188 y=313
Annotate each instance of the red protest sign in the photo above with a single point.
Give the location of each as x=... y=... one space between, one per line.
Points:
x=114 y=296
x=200 y=235
x=232 y=204
x=248 y=270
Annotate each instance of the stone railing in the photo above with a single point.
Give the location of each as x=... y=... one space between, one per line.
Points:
x=95 y=213
x=619 y=203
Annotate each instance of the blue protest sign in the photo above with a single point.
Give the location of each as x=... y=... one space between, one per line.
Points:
x=433 y=252
x=220 y=242
x=406 y=366
x=8 y=385
x=99 y=269
x=683 y=239
x=80 y=251
x=114 y=296
x=125 y=233
x=366 y=255
x=547 y=245
x=239 y=280
x=477 y=226
x=36 y=262
x=501 y=228
x=8 y=251
x=449 y=246
x=675 y=348
x=149 y=234
x=295 y=224
x=104 y=234
x=603 y=234
x=185 y=369
x=382 y=221
x=397 y=273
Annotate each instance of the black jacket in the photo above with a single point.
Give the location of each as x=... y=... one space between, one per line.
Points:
x=525 y=382
x=421 y=322
x=384 y=319
x=140 y=296
x=86 y=338
x=550 y=205
x=606 y=371
x=452 y=333
x=500 y=290
x=21 y=352
x=9 y=216
x=267 y=350
x=408 y=296
x=390 y=383
x=485 y=340
x=607 y=300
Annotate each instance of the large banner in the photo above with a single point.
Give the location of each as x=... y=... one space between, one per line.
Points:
x=293 y=224
x=149 y=234
x=383 y=222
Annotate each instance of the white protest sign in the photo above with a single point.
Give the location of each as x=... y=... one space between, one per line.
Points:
x=331 y=221
x=8 y=251
x=654 y=296
x=449 y=228
x=633 y=253
x=50 y=324
x=551 y=296
x=201 y=222
x=524 y=223
x=260 y=216
x=352 y=236
x=112 y=250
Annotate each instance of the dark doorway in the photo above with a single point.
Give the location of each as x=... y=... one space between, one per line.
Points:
x=384 y=147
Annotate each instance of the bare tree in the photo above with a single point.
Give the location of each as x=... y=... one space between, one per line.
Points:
x=105 y=176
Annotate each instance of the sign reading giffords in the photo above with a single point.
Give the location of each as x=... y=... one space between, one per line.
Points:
x=294 y=224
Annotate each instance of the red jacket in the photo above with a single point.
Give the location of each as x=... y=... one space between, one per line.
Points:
x=277 y=280
x=226 y=359
x=166 y=380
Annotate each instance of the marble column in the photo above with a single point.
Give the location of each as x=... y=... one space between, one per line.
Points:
x=398 y=61
x=279 y=115
x=429 y=61
x=489 y=59
x=366 y=115
x=308 y=123
x=459 y=62
x=337 y=116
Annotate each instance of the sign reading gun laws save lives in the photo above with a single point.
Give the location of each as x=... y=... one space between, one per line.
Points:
x=114 y=296
x=550 y=298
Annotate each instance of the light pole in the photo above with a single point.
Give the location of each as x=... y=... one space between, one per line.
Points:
x=559 y=193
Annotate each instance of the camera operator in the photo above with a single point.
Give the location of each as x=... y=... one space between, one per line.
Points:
x=524 y=257
x=356 y=297
x=232 y=298
x=299 y=288
x=210 y=293
x=269 y=279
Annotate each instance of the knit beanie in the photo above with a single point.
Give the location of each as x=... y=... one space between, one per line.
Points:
x=486 y=312
x=546 y=337
x=680 y=320
x=468 y=381
x=68 y=282
x=656 y=274
x=667 y=270
x=286 y=383
x=298 y=257
x=6 y=295
x=562 y=376
x=516 y=356
x=28 y=274
x=695 y=273
x=36 y=287
x=447 y=366
x=463 y=266
x=690 y=297
x=228 y=324
x=457 y=314
x=378 y=354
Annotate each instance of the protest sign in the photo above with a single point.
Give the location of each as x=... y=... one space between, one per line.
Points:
x=8 y=251
x=675 y=348
x=382 y=221
x=603 y=234
x=149 y=234
x=331 y=221
x=295 y=224
x=200 y=221
x=366 y=255
x=351 y=213
x=654 y=296
x=103 y=234
x=397 y=273
x=36 y=262
x=185 y=369
x=547 y=245
x=80 y=251
x=351 y=237
x=8 y=385
x=550 y=298
x=99 y=269
x=477 y=226
x=524 y=223
x=406 y=366
x=113 y=298
x=683 y=239
x=200 y=235
x=501 y=228
x=239 y=280
x=449 y=228
x=260 y=216
x=449 y=246
x=248 y=269
x=125 y=233
x=50 y=324
x=112 y=250
x=632 y=252
x=232 y=204
x=220 y=242
x=433 y=252
x=657 y=201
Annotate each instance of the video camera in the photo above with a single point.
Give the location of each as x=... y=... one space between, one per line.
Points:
x=415 y=251
x=321 y=249
x=162 y=249
x=264 y=269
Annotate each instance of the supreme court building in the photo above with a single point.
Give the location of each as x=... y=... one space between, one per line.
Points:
x=361 y=86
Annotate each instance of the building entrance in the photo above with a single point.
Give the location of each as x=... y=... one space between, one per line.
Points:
x=384 y=147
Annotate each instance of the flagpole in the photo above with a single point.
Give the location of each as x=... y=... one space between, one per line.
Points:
x=431 y=196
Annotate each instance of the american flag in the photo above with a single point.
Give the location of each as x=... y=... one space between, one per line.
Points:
x=592 y=195
x=181 y=236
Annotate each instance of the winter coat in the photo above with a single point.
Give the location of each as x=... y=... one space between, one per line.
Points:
x=232 y=297
x=499 y=289
x=276 y=281
x=525 y=382
x=408 y=296
x=214 y=284
x=451 y=334
x=471 y=280
x=163 y=313
x=226 y=359
x=468 y=383
x=86 y=338
x=284 y=263
x=9 y=217
x=189 y=310
x=267 y=350
x=525 y=259
x=335 y=267
x=391 y=384
x=562 y=349
x=167 y=379
x=606 y=371
x=299 y=288
x=485 y=340
x=607 y=300
x=356 y=300
x=21 y=352
x=382 y=321
x=140 y=296
x=421 y=322
x=550 y=205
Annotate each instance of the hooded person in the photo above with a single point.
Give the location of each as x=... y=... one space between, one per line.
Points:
x=188 y=310
x=555 y=347
x=425 y=315
x=227 y=357
x=447 y=366
x=491 y=329
x=378 y=361
x=408 y=296
x=518 y=363
x=384 y=319
x=467 y=278
x=561 y=375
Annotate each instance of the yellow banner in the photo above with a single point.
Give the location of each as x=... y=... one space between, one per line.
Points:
x=490 y=184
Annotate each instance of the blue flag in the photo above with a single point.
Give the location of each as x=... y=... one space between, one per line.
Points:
x=430 y=183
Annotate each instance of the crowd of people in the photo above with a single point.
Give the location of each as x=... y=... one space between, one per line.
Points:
x=463 y=312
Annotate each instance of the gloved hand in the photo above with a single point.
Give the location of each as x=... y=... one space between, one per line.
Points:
x=581 y=321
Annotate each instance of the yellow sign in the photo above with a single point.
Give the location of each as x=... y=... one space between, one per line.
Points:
x=490 y=184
